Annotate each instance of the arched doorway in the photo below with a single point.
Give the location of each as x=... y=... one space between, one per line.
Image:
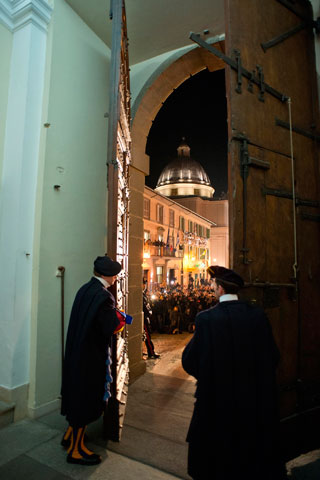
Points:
x=152 y=96
x=150 y=99
x=196 y=110
x=195 y=114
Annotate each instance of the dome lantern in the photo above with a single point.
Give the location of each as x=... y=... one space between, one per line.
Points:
x=183 y=149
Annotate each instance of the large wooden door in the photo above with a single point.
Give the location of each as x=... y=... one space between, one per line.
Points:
x=274 y=199
x=119 y=156
x=274 y=191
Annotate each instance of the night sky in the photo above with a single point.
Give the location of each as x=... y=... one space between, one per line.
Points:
x=197 y=110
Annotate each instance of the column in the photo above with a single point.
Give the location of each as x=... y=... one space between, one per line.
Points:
x=28 y=21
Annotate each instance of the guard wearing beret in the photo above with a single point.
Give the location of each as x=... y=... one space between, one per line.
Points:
x=86 y=375
x=233 y=356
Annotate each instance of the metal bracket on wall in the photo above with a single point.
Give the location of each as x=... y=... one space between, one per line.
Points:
x=309 y=216
x=301 y=131
x=310 y=22
x=239 y=76
x=280 y=38
x=269 y=285
x=261 y=85
x=250 y=83
x=286 y=194
x=236 y=65
x=245 y=162
x=307 y=22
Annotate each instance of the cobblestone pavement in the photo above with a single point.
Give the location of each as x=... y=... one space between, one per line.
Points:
x=170 y=348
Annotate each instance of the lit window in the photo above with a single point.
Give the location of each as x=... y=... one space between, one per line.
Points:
x=159 y=274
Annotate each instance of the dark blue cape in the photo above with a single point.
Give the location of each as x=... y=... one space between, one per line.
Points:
x=233 y=430
x=92 y=322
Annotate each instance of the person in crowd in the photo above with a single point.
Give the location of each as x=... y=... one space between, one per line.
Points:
x=187 y=319
x=187 y=301
x=85 y=380
x=190 y=281
x=174 y=316
x=233 y=356
x=147 y=312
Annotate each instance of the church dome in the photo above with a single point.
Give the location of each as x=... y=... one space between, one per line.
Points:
x=186 y=172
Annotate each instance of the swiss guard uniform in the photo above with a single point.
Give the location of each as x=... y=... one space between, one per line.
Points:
x=233 y=356
x=86 y=374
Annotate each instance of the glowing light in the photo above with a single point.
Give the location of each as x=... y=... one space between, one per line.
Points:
x=153 y=297
x=214 y=259
x=146 y=254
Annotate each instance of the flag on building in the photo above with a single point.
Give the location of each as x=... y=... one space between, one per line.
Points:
x=167 y=245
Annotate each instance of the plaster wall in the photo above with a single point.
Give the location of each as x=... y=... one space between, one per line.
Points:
x=71 y=218
x=214 y=210
x=6 y=49
x=19 y=182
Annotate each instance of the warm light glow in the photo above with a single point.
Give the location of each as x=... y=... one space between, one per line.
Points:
x=214 y=259
x=153 y=297
x=146 y=254
x=186 y=261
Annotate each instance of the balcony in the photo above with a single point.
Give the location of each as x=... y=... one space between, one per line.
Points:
x=160 y=251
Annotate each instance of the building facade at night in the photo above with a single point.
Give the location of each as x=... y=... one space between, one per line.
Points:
x=185 y=181
x=176 y=242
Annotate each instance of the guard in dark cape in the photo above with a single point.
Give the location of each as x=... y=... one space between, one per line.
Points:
x=233 y=356
x=86 y=373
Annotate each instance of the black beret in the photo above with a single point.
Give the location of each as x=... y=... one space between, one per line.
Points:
x=225 y=274
x=106 y=266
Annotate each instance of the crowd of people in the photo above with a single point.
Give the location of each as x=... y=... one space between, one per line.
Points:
x=174 y=309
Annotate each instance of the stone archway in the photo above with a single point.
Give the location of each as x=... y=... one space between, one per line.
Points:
x=169 y=76
x=153 y=95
